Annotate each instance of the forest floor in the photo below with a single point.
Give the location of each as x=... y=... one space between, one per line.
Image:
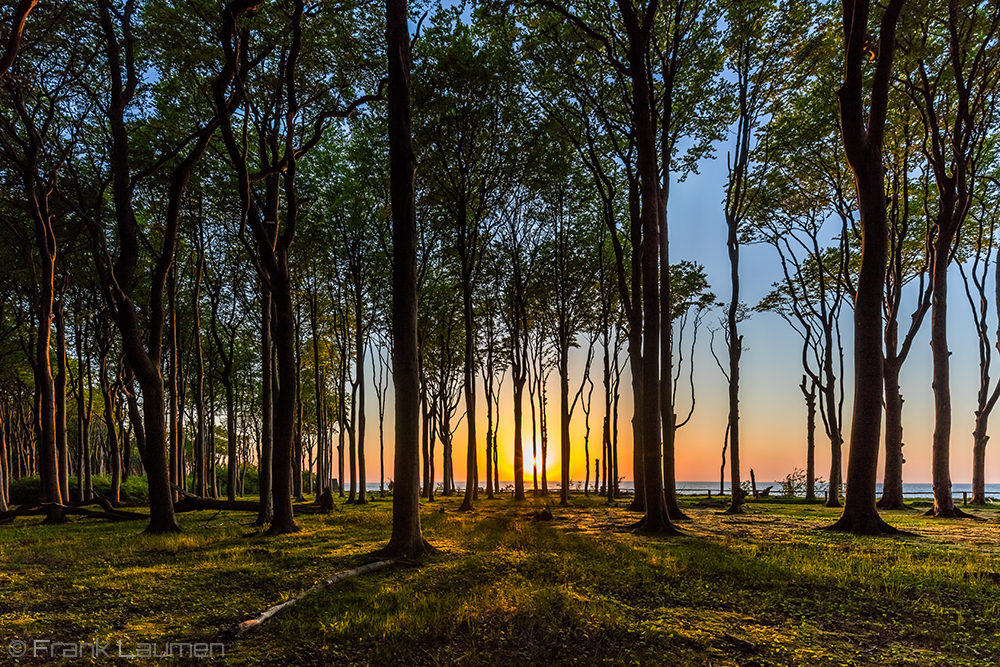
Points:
x=763 y=588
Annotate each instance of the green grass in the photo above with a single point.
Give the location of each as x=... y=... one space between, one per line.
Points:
x=765 y=588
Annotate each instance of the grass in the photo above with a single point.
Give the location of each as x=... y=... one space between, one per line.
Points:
x=765 y=588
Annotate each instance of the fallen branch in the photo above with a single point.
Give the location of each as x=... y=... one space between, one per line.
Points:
x=246 y=626
x=194 y=503
x=56 y=513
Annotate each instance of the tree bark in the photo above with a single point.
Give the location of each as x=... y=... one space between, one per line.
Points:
x=407 y=539
x=863 y=148
x=264 y=476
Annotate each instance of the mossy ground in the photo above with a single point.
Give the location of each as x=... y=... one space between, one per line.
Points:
x=764 y=588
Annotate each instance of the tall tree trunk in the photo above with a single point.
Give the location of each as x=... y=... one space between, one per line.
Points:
x=283 y=520
x=471 y=466
x=490 y=433
x=173 y=417
x=862 y=140
x=639 y=30
x=407 y=539
x=892 y=481
x=517 y=381
x=62 y=445
x=735 y=352
x=359 y=363
x=564 y=449
x=264 y=476
x=4 y=461
x=810 y=396
x=944 y=503
x=202 y=444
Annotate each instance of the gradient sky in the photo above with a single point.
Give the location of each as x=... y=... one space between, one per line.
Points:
x=772 y=410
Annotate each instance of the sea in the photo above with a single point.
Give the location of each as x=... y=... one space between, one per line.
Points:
x=910 y=490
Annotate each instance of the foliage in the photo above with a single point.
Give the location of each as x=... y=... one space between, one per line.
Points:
x=795 y=482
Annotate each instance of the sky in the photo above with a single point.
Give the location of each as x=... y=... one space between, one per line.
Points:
x=772 y=409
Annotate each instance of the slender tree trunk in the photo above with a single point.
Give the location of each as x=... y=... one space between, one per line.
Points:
x=639 y=30
x=810 y=396
x=862 y=140
x=490 y=434
x=564 y=451
x=472 y=464
x=892 y=484
x=201 y=442
x=110 y=410
x=62 y=445
x=283 y=520
x=407 y=539
x=173 y=417
x=4 y=461
x=518 y=380
x=944 y=504
x=264 y=476
x=359 y=342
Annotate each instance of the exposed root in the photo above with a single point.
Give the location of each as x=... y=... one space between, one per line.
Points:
x=407 y=550
x=864 y=525
x=656 y=526
x=953 y=513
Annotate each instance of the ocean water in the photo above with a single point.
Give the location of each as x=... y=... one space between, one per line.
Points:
x=915 y=490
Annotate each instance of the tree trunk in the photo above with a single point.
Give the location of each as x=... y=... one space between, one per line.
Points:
x=735 y=352
x=407 y=539
x=564 y=450
x=944 y=503
x=892 y=482
x=863 y=148
x=359 y=343
x=62 y=446
x=202 y=444
x=266 y=512
x=810 y=396
x=283 y=520
x=518 y=380
x=656 y=519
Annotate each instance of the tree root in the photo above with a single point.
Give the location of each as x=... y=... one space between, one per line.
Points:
x=954 y=513
x=872 y=525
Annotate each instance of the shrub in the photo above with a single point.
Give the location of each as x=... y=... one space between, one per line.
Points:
x=794 y=484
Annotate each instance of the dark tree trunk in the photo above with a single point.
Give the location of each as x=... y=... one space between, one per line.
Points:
x=639 y=30
x=944 y=503
x=407 y=539
x=467 y=252
x=564 y=450
x=359 y=364
x=266 y=513
x=892 y=481
x=283 y=520
x=62 y=445
x=810 y=396
x=202 y=444
x=863 y=147
x=518 y=380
